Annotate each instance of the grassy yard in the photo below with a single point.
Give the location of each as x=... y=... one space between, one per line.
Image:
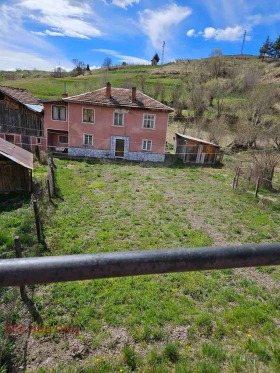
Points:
x=213 y=321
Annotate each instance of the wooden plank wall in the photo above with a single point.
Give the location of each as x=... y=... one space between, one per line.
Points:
x=14 y=177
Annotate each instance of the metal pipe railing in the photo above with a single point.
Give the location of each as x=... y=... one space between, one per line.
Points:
x=27 y=271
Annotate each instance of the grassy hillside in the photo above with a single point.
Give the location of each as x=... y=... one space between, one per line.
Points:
x=213 y=321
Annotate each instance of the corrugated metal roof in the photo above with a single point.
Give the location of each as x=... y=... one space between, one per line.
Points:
x=196 y=139
x=16 y=154
x=37 y=108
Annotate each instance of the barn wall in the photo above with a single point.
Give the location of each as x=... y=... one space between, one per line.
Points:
x=13 y=177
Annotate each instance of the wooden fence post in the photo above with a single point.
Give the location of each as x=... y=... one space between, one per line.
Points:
x=53 y=179
x=237 y=177
x=257 y=187
x=49 y=190
x=19 y=255
x=37 y=218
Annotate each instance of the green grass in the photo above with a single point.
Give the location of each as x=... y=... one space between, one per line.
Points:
x=215 y=321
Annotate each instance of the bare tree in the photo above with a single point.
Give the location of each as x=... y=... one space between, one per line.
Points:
x=218 y=90
x=59 y=72
x=265 y=163
x=107 y=63
x=79 y=66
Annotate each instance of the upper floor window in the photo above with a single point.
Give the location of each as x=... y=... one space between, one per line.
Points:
x=88 y=115
x=118 y=119
x=58 y=112
x=149 y=121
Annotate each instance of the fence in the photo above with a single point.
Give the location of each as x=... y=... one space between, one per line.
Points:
x=245 y=177
x=39 y=270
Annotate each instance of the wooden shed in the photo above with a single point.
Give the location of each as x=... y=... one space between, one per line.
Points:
x=194 y=150
x=16 y=165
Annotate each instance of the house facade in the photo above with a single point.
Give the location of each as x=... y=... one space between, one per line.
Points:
x=108 y=123
x=194 y=150
x=21 y=118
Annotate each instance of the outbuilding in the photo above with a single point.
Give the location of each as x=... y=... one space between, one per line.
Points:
x=16 y=165
x=194 y=150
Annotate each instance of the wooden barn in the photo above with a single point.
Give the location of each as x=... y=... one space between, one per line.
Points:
x=16 y=165
x=194 y=150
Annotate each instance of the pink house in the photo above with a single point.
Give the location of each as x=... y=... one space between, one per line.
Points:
x=108 y=123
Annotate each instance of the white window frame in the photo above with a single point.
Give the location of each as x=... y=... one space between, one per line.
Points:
x=145 y=145
x=65 y=111
x=93 y=114
x=62 y=142
x=38 y=140
x=148 y=118
x=122 y=115
x=84 y=139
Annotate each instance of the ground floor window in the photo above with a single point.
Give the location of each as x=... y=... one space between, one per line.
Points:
x=10 y=138
x=147 y=145
x=63 y=139
x=88 y=140
x=38 y=140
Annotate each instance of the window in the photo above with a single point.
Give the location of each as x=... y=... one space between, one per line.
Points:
x=88 y=115
x=58 y=112
x=147 y=145
x=88 y=140
x=38 y=140
x=63 y=139
x=118 y=119
x=149 y=121
x=10 y=138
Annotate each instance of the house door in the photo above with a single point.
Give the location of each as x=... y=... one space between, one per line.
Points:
x=119 y=150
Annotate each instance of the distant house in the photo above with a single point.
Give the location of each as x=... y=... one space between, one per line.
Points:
x=16 y=166
x=108 y=123
x=21 y=117
x=194 y=150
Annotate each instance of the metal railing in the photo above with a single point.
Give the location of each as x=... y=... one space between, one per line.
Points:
x=39 y=270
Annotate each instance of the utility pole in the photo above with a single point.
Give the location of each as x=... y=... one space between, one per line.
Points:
x=244 y=37
x=162 y=55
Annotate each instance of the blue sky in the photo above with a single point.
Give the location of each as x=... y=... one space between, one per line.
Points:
x=42 y=34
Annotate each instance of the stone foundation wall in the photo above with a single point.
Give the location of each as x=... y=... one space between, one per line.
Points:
x=129 y=156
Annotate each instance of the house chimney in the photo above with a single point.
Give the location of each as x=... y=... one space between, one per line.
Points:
x=64 y=94
x=108 y=90
x=133 y=96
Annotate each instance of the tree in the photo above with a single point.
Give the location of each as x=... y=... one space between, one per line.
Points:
x=88 y=68
x=265 y=164
x=107 y=63
x=216 y=52
x=217 y=90
x=267 y=49
x=155 y=60
x=59 y=72
x=276 y=48
x=79 y=66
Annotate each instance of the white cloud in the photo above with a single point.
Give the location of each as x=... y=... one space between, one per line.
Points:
x=67 y=17
x=191 y=32
x=124 y=3
x=22 y=49
x=227 y=34
x=157 y=24
x=123 y=58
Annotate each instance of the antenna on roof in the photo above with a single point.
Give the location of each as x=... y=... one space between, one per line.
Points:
x=162 y=55
x=244 y=37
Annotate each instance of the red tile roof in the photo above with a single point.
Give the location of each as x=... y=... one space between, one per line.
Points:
x=119 y=97
x=19 y=94
x=16 y=154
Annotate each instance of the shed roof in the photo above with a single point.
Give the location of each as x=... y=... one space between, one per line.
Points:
x=196 y=139
x=16 y=154
x=19 y=94
x=119 y=97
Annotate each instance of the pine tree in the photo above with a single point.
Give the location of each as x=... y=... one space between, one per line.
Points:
x=155 y=59
x=267 y=49
x=276 y=47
